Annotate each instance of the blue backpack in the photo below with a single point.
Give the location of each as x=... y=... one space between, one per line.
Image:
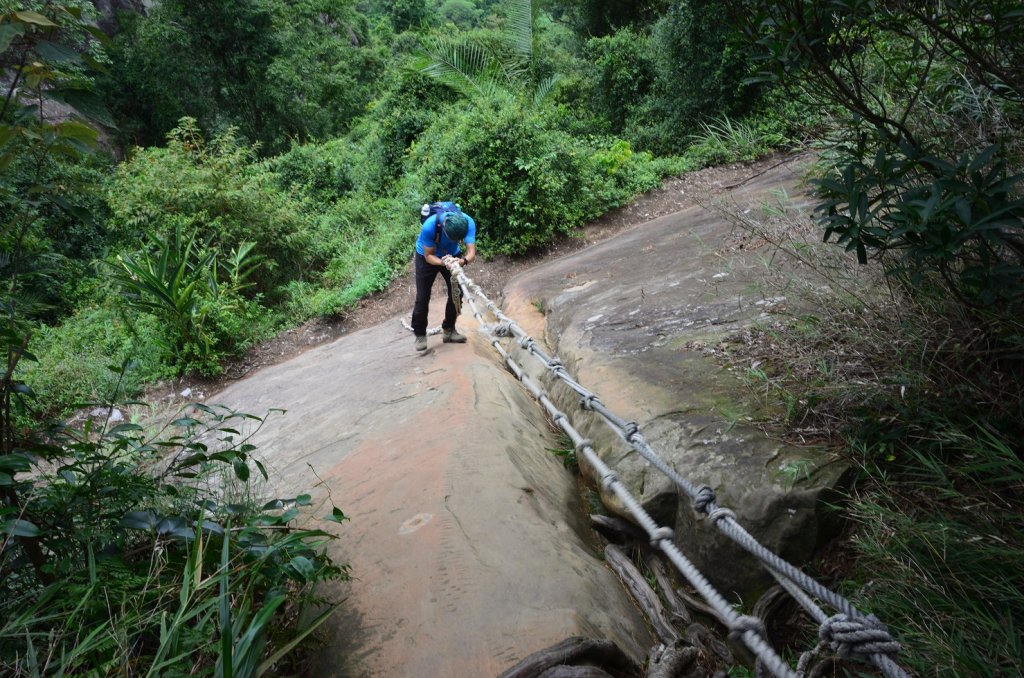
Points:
x=432 y=208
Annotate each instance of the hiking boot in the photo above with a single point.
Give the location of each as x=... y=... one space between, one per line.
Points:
x=453 y=337
x=421 y=343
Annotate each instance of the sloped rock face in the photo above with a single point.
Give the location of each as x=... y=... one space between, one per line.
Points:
x=467 y=543
x=627 y=317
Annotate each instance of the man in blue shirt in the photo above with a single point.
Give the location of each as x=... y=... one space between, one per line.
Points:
x=434 y=248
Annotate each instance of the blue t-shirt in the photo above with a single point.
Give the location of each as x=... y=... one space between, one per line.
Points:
x=445 y=246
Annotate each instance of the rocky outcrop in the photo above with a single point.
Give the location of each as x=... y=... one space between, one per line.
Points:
x=628 y=317
x=108 y=10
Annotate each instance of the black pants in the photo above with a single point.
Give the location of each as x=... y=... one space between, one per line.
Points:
x=426 y=274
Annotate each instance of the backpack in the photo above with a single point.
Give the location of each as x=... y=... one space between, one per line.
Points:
x=432 y=208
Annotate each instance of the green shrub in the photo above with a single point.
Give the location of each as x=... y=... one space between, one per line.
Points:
x=924 y=168
x=197 y=292
x=365 y=243
x=140 y=553
x=218 y=190
x=274 y=70
x=409 y=103
x=725 y=140
x=521 y=178
x=321 y=172
x=623 y=74
x=75 y=358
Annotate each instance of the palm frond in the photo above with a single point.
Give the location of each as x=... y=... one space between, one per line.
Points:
x=544 y=88
x=467 y=68
x=520 y=27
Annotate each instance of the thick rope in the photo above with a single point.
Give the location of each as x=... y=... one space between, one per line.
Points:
x=850 y=634
x=431 y=332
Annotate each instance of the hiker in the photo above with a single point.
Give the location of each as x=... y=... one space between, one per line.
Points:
x=438 y=244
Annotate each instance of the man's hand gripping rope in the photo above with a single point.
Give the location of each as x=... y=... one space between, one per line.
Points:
x=455 y=267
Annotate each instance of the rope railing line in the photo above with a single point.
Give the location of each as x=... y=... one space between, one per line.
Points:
x=703 y=496
x=747 y=629
x=849 y=633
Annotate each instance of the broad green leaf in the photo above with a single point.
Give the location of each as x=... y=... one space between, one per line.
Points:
x=15 y=463
x=23 y=389
x=123 y=428
x=336 y=516
x=20 y=528
x=210 y=526
x=95 y=65
x=241 y=469
x=36 y=18
x=101 y=37
x=139 y=520
x=8 y=32
x=55 y=52
x=304 y=567
x=90 y=106
x=77 y=131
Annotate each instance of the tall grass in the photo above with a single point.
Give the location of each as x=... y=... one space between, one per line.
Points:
x=922 y=396
x=157 y=554
x=940 y=542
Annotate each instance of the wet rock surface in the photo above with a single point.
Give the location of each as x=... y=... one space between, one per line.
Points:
x=627 y=317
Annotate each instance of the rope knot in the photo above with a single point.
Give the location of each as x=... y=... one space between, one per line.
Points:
x=718 y=513
x=526 y=343
x=589 y=402
x=705 y=498
x=586 y=442
x=661 y=533
x=744 y=624
x=502 y=330
x=630 y=430
x=558 y=420
x=861 y=637
x=608 y=479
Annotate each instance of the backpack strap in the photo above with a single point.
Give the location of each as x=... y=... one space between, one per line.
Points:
x=437 y=228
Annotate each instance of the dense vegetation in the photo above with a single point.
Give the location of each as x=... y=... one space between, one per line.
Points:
x=220 y=169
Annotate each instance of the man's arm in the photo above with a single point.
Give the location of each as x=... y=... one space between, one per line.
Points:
x=430 y=257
